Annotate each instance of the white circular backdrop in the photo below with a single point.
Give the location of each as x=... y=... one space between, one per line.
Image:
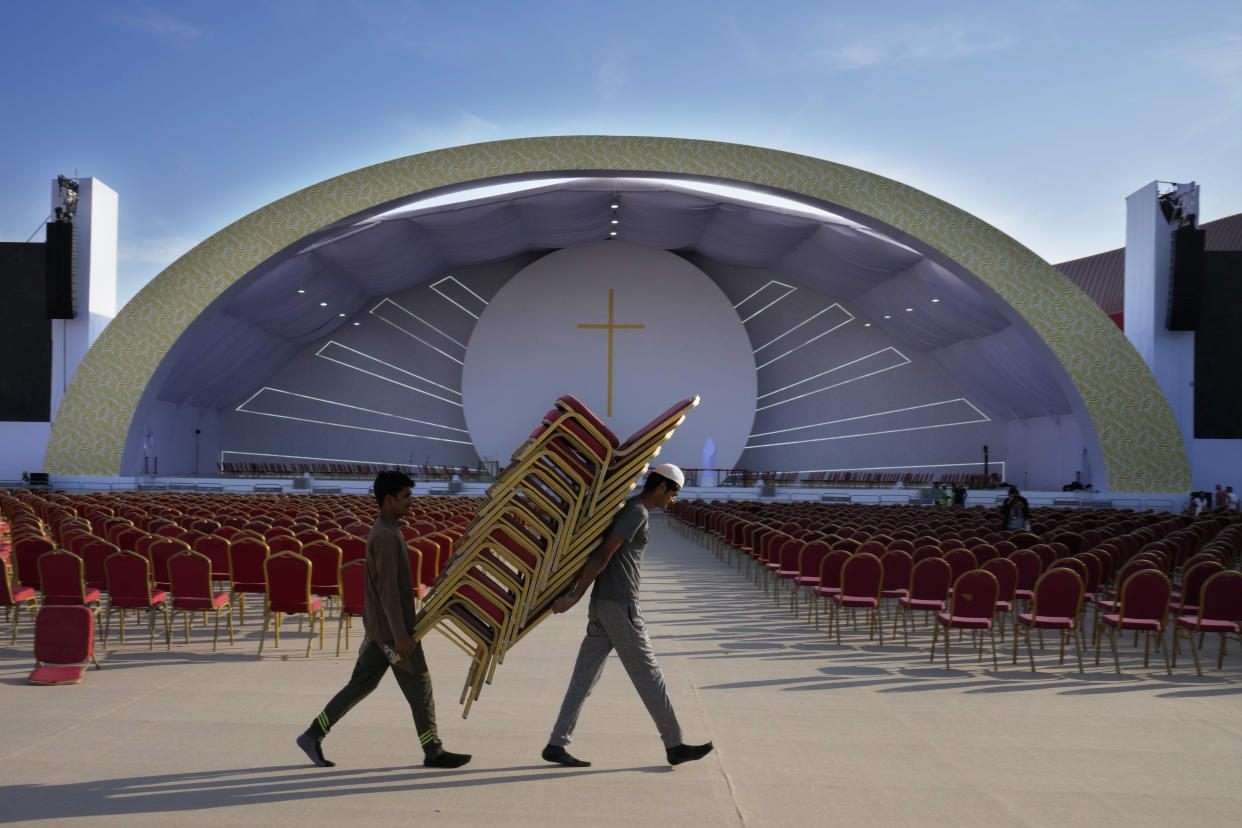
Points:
x=528 y=349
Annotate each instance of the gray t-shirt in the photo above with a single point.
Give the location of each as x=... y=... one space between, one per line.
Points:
x=619 y=580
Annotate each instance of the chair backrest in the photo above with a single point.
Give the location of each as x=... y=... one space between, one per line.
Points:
x=1095 y=570
x=1220 y=599
x=162 y=551
x=6 y=583
x=862 y=575
x=1136 y=564
x=288 y=582
x=352 y=548
x=1071 y=563
x=1145 y=594
x=216 y=548
x=1029 y=567
x=974 y=595
x=812 y=555
x=246 y=557
x=897 y=567
x=64 y=634
x=788 y=553
x=283 y=543
x=1047 y=555
x=930 y=579
x=353 y=586
x=94 y=553
x=325 y=561
x=1006 y=572
x=61 y=577
x=1058 y=593
x=960 y=560
x=1196 y=576
x=984 y=552
x=129 y=579
x=830 y=568
x=926 y=551
x=429 y=555
x=189 y=574
x=26 y=552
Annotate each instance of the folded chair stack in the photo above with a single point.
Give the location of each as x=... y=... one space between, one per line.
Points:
x=541 y=519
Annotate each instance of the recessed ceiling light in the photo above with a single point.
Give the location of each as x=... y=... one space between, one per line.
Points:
x=614 y=221
x=614 y=206
x=909 y=309
x=340 y=314
x=613 y=233
x=866 y=324
x=323 y=304
x=356 y=324
x=935 y=300
x=301 y=290
x=886 y=316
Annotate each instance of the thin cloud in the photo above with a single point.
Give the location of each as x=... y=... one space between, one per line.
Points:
x=161 y=250
x=159 y=23
x=468 y=128
x=936 y=40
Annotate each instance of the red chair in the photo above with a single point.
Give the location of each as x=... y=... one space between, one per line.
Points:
x=161 y=551
x=1220 y=611
x=1006 y=572
x=1056 y=606
x=246 y=573
x=283 y=543
x=929 y=592
x=829 y=579
x=808 y=572
x=189 y=573
x=1192 y=584
x=325 y=561
x=216 y=548
x=1144 y=604
x=14 y=597
x=129 y=587
x=972 y=607
x=352 y=548
x=862 y=578
x=25 y=554
x=60 y=574
x=352 y=577
x=961 y=561
x=1029 y=569
x=289 y=593
x=64 y=644
x=897 y=568
x=786 y=567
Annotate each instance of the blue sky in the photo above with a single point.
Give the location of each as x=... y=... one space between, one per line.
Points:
x=1038 y=117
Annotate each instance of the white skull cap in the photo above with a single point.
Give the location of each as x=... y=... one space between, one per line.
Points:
x=671 y=472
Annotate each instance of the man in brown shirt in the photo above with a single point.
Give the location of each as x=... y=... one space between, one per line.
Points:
x=388 y=618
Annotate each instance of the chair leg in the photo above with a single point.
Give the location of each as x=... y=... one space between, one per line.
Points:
x=229 y=619
x=935 y=635
x=1112 y=640
x=263 y=635
x=1078 y=647
x=992 y=638
x=215 y=639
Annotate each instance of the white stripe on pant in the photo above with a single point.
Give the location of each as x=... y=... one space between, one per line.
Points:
x=620 y=626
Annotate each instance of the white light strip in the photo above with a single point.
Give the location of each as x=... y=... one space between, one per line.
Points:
x=411 y=334
x=354 y=427
x=436 y=287
x=924 y=466
x=865 y=434
x=788 y=290
x=849 y=319
x=302 y=457
x=354 y=407
x=835 y=384
x=320 y=353
x=985 y=417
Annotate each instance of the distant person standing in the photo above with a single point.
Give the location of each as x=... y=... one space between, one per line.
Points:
x=1231 y=499
x=615 y=622
x=1221 y=498
x=388 y=619
x=1015 y=511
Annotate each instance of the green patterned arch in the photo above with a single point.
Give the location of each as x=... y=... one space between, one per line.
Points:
x=1139 y=438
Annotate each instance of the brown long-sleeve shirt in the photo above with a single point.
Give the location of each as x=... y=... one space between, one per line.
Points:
x=389 y=596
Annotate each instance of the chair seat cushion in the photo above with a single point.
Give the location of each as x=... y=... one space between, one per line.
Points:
x=316 y=605
x=1004 y=606
x=250 y=586
x=1191 y=622
x=787 y=573
x=966 y=621
x=856 y=600
x=894 y=593
x=202 y=602
x=21 y=594
x=68 y=674
x=924 y=604
x=827 y=591
x=1050 y=622
x=808 y=580
x=1114 y=620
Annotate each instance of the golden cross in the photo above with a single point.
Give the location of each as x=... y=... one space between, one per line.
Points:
x=610 y=327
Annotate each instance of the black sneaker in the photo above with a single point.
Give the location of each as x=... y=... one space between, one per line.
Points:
x=558 y=754
x=445 y=759
x=313 y=750
x=687 y=753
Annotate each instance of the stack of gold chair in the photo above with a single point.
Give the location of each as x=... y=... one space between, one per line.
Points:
x=542 y=518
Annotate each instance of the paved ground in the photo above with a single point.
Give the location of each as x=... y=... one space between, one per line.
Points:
x=806 y=732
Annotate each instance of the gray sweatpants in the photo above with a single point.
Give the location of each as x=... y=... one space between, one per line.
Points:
x=620 y=626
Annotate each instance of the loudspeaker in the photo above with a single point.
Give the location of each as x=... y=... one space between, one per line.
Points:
x=61 y=253
x=1186 y=280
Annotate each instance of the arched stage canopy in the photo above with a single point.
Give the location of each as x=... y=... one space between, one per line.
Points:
x=995 y=340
